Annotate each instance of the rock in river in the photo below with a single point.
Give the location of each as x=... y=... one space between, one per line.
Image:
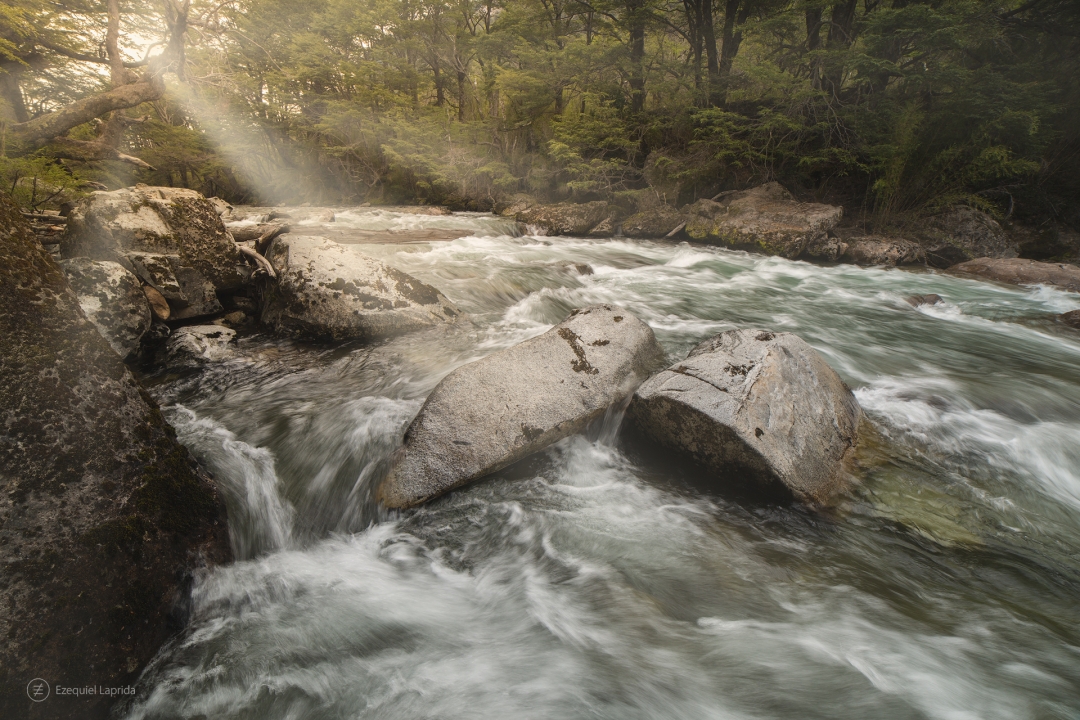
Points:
x=964 y=233
x=112 y=299
x=330 y=291
x=498 y=410
x=755 y=405
x=579 y=219
x=172 y=238
x=104 y=516
x=1018 y=271
x=766 y=218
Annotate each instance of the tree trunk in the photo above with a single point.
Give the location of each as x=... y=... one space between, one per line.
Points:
x=636 y=19
x=735 y=14
x=841 y=37
x=813 y=42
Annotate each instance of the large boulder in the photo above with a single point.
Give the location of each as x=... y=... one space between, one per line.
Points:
x=653 y=222
x=756 y=406
x=498 y=410
x=879 y=250
x=766 y=218
x=1017 y=271
x=172 y=238
x=104 y=516
x=329 y=291
x=112 y=299
x=577 y=219
x=964 y=233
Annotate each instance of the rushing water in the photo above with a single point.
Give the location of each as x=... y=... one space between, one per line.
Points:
x=597 y=581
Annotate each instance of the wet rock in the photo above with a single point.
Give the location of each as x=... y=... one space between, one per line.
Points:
x=326 y=216
x=172 y=238
x=496 y=411
x=654 y=222
x=1071 y=318
x=577 y=219
x=928 y=299
x=233 y=319
x=112 y=299
x=887 y=251
x=1017 y=271
x=104 y=516
x=755 y=406
x=330 y=291
x=765 y=218
x=964 y=233
x=197 y=345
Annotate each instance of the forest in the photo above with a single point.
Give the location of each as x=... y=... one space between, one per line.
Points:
x=893 y=108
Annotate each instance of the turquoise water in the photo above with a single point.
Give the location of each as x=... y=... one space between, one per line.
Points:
x=597 y=581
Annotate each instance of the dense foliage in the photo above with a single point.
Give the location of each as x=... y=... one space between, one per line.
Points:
x=894 y=107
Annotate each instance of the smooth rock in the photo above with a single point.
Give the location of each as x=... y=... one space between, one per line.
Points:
x=495 y=411
x=112 y=299
x=755 y=406
x=105 y=519
x=1071 y=318
x=766 y=218
x=964 y=233
x=172 y=238
x=887 y=251
x=577 y=219
x=331 y=291
x=223 y=208
x=1017 y=271
x=928 y=299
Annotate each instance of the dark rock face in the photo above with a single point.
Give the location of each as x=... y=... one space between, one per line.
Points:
x=329 y=291
x=755 y=406
x=112 y=299
x=103 y=515
x=578 y=219
x=887 y=251
x=1016 y=271
x=766 y=218
x=496 y=411
x=964 y=233
x=173 y=239
x=1047 y=242
x=1071 y=318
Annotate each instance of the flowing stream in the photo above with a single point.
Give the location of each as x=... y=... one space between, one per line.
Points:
x=597 y=580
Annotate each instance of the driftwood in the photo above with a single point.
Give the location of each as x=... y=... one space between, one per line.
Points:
x=676 y=231
x=262 y=262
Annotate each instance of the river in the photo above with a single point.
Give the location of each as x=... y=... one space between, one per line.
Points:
x=598 y=580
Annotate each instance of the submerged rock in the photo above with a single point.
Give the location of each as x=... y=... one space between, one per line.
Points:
x=766 y=218
x=104 y=516
x=928 y=299
x=964 y=233
x=197 y=345
x=1071 y=318
x=112 y=299
x=329 y=291
x=578 y=219
x=887 y=251
x=1017 y=271
x=172 y=238
x=758 y=406
x=498 y=410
